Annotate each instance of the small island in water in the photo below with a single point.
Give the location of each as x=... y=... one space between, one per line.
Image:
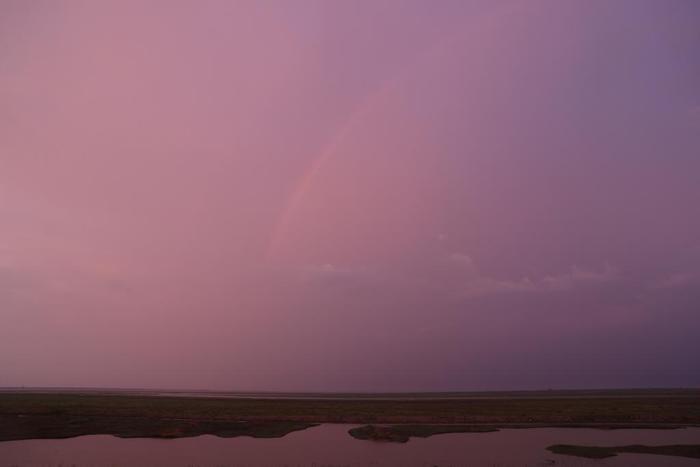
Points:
x=596 y=452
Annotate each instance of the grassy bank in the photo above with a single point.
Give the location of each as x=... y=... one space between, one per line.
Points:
x=58 y=427
x=596 y=452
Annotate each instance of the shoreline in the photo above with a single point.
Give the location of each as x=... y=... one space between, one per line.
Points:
x=46 y=428
x=46 y=415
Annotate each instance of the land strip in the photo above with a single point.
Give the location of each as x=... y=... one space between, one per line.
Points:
x=25 y=415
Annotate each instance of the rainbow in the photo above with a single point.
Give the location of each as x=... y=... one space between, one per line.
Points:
x=366 y=105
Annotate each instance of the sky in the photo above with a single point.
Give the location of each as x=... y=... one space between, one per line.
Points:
x=351 y=195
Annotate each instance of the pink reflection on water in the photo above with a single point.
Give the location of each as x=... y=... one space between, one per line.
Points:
x=330 y=445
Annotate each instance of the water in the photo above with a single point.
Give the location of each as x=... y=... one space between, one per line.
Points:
x=331 y=446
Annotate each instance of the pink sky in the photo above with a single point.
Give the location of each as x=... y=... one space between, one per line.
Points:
x=350 y=195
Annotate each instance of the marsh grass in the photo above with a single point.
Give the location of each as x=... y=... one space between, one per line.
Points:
x=597 y=452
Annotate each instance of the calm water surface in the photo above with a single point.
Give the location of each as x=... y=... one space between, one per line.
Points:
x=331 y=446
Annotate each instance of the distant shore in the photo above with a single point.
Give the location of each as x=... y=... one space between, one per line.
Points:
x=519 y=394
x=60 y=413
